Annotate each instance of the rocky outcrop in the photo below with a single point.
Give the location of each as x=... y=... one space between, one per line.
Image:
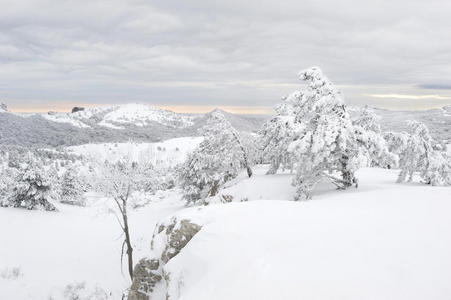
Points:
x=146 y=275
x=77 y=108
x=3 y=107
x=168 y=240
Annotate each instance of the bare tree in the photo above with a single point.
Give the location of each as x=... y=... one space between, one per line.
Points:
x=119 y=180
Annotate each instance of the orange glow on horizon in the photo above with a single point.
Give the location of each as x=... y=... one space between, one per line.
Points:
x=191 y=109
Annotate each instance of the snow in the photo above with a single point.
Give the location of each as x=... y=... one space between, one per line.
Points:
x=65 y=118
x=141 y=115
x=75 y=245
x=167 y=153
x=127 y=114
x=380 y=241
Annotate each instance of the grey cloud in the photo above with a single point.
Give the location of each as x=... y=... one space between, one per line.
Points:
x=435 y=86
x=203 y=52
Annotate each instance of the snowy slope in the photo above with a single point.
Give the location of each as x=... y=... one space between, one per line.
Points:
x=168 y=153
x=76 y=245
x=381 y=241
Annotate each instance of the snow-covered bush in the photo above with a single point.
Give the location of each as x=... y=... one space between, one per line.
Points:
x=81 y=291
x=33 y=189
x=324 y=144
x=215 y=161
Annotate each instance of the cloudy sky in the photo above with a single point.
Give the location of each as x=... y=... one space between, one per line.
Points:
x=192 y=55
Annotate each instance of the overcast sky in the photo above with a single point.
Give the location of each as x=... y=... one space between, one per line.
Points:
x=192 y=55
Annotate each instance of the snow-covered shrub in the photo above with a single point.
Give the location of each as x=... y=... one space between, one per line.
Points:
x=33 y=189
x=215 y=161
x=276 y=135
x=324 y=144
x=81 y=291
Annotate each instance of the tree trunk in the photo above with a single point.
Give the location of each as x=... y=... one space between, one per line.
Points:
x=128 y=240
x=246 y=163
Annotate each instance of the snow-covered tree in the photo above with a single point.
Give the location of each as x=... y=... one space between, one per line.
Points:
x=72 y=188
x=397 y=144
x=119 y=181
x=416 y=154
x=252 y=144
x=277 y=134
x=324 y=144
x=33 y=189
x=373 y=147
x=216 y=160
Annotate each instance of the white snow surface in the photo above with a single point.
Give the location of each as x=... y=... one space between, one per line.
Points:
x=65 y=118
x=74 y=245
x=165 y=154
x=381 y=241
x=141 y=115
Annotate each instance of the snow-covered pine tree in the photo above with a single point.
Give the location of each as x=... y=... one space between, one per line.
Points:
x=72 y=188
x=276 y=135
x=396 y=143
x=33 y=188
x=438 y=172
x=216 y=160
x=252 y=144
x=418 y=155
x=324 y=142
x=371 y=140
x=219 y=130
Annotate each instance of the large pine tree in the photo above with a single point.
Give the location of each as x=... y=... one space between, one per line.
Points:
x=324 y=144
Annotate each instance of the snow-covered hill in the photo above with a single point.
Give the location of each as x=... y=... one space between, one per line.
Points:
x=121 y=123
x=128 y=114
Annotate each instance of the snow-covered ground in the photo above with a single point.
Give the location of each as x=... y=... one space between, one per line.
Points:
x=380 y=241
x=75 y=245
x=166 y=153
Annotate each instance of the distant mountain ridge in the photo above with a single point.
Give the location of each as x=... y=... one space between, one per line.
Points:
x=119 y=123
x=146 y=123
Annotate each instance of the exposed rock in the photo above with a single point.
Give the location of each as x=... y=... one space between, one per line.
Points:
x=3 y=107
x=167 y=242
x=77 y=108
x=178 y=238
x=145 y=277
